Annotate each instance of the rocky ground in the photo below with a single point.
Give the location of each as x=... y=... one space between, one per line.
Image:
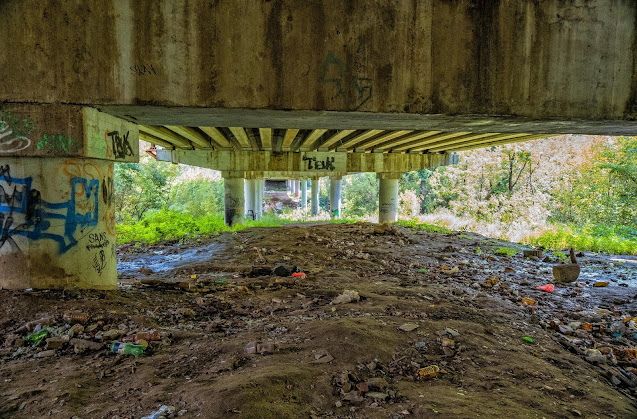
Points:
x=388 y=323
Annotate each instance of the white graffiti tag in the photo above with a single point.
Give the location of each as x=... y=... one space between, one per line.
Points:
x=11 y=143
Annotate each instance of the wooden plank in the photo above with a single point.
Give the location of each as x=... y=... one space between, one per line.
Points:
x=241 y=136
x=217 y=136
x=193 y=136
x=411 y=137
x=428 y=144
x=528 y=137
x=335 y=138
x=441 y=136
x=369 y=143
x=288 y=138
x=360 y=137
x=445 y=145
x=309 y=141
x=166 y=135
x=266 y=138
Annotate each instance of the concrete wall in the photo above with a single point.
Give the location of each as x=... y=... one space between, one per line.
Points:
x=539 y=59
x=58 y=223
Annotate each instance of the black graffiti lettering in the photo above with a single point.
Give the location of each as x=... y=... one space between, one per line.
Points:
x=99 y=262
x=5 y=172
x=97 y=241
x=121 y=146
x=327 y=164
x=108 y=190
x=143 y=69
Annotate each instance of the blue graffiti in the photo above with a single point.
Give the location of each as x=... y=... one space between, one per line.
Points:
x=38 y=215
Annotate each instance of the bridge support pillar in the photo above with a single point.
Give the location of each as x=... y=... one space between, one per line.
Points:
x=234 y=197
x=297 y=188
x=335 y=196
x=388 y=197
x=58 y=223
x=57 y=217
x=315 y=196
x=303 y=194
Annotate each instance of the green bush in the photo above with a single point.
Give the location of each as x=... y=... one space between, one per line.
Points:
x=620 y=240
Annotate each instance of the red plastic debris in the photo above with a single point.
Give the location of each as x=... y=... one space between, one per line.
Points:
x=299 y=275
x=547 y=287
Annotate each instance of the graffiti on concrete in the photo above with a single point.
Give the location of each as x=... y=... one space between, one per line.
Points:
x=55 y=142
x=14 y=134
x=314 y=164
x=120 y=145
x=23 y=212
x=99 y=262
x=143 y=70
x=348 y=87
x=97 y=241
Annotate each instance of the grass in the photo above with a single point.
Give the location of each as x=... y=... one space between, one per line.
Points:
x=618 y=240
x=424 y=227
x=508 y=251
x=171 y=225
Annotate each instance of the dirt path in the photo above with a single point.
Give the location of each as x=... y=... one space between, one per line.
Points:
x=425 y=299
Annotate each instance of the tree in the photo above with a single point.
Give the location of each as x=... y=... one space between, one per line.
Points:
x=141 y=187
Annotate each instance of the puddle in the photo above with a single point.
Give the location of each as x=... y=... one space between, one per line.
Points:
x=168 y=259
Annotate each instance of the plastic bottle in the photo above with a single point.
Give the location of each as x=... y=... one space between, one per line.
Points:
x=127 y=349
x=35 y=338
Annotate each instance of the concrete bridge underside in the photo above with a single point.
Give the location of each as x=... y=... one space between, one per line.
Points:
x=280 y=89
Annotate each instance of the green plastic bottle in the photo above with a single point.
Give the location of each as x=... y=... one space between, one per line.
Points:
x=127 y=349
x=35 y=338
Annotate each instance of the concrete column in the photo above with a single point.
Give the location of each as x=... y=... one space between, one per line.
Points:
x=388 y=197
x=234 y=197
x=297 y=188
x=315 y=196
x=336 y=183
x=259 y=199
x=304 y=193
x=57 y=223
x=249 y=198
x=257 y=202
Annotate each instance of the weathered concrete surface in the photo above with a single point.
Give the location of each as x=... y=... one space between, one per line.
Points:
x=554 y=59
x=234 y=197
x=54 y=130
x=307 y=163
x=58 y=223
x=388 y=197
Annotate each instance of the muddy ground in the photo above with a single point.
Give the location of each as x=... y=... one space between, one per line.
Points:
x=418 y=299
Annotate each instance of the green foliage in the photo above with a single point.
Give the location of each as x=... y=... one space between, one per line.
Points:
x=507 y=251
x=619 y=240
x=360 y=194
x=602 y=190
x=172 y=225
x=142 y=187
x=423 y=227
x=199 y=197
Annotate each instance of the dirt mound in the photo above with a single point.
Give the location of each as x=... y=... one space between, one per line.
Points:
x=220 y=343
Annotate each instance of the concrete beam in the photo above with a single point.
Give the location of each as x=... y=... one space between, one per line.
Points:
x=307 y=163
x=435 y=57
x=52 y=130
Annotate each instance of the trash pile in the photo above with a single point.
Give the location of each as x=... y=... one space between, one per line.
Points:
x=604 y=337
x=75 y=333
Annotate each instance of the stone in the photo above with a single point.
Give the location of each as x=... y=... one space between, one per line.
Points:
x=532 y=253
x=348 y=296
x=55 y=343
x=283 y=269
x=47 y=354
x=565 y=330
x=377 y=382
x=76 y=329
x=377 y=395
x=353 y=397
x=566 y=273
x=82 y=345
x=111 y=334
x=408 y=327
